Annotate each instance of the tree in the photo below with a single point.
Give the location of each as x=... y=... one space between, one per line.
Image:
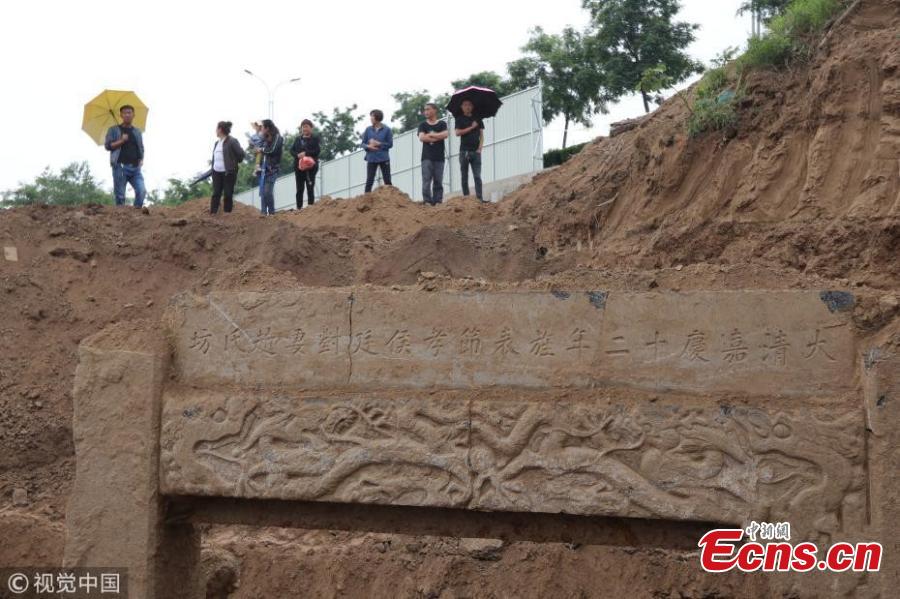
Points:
x=74 y=184
x=631 y=36
x=338 y=131
x=409 y=114
x=179 y=191
x=655 y=81
x=246 y=175
x=488 y=79
x=766 y=9
x=762 y=11
x=573 y=87
x=287 y=161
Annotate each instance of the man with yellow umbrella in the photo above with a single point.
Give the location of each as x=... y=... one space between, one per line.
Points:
x=123 y=140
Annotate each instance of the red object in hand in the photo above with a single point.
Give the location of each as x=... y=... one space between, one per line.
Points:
x=306 y=163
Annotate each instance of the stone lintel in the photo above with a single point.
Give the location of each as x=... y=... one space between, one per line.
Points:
x=758 y=342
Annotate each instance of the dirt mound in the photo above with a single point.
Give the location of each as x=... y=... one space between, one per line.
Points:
x=200 y=207
x=814 y=158
x=389 y=214
x=493 y=251
x=29 y=539
x=406 y=566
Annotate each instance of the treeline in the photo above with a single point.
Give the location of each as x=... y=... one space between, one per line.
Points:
x=625 y=47
x=584 y=70
x=581 y=71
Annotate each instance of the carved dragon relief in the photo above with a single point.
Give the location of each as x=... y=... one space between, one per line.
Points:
x=728 y=465
x=364 y=451
x=646 y=460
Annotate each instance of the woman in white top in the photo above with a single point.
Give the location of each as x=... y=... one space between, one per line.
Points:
x=227 y=157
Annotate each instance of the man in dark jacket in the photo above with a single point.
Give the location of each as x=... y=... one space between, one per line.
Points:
x=306 y=145
x=126 y=156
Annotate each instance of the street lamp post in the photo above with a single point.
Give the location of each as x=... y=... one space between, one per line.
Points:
x=271 y=90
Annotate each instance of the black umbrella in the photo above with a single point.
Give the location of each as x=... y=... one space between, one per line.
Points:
x=485 y=100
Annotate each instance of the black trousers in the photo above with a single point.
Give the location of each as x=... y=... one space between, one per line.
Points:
x=470 y=158
x=306 y=180
x=223 y=184
x=372 y=167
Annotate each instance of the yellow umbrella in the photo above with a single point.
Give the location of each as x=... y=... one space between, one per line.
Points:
x=102 y=112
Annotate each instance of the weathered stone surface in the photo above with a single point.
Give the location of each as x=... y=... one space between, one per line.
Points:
x=391 y=451
x=20 y=497
x=255 y=338
x=783 y=343
x=115 y=513
x=615 y=454
x=881 y=385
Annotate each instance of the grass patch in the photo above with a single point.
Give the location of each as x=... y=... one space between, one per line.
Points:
x=771 y=50
x=804 y=17
x=714 y=107
x=709 y=114
x=712 y=83
x=791 y=37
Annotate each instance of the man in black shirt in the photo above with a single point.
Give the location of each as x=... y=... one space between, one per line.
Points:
x=126 y=146
x=471 y=131
x=432 y=134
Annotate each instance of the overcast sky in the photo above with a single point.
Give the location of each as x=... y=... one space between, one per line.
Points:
x=185 y=60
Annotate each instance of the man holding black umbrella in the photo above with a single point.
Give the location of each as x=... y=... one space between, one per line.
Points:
x=470 y=106
x=470 y=130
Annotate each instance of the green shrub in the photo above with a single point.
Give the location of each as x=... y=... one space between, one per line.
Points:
x=712 y=115
x=770 y=50
x=558 y=156
x=712 y=83
x=790 y=36
x=714 y=106
x=804 y=17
